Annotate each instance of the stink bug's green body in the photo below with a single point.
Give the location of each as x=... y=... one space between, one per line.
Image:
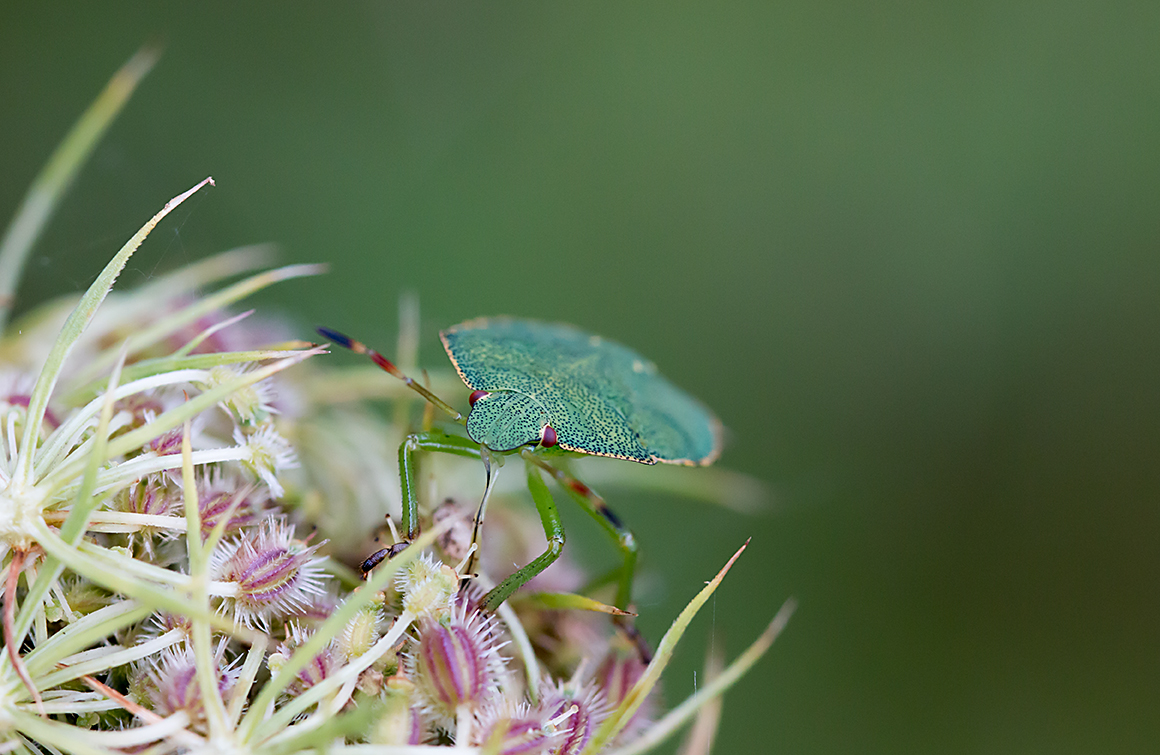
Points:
x=599 y=397
x=542 y=389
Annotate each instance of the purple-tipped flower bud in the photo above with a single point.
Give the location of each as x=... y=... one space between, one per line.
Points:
x=574 y=712
x=616 y=676
x=148 y=496
x=217 y=495
x=172 y=686
x=455 y=664
x=152 y=497
x=517 y=730
x=322 y=665
x=144 y=408
x=267 y=574
x=167 y=443
x=164 y=622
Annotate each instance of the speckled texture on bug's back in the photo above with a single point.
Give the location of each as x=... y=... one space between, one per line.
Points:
x=600 y=397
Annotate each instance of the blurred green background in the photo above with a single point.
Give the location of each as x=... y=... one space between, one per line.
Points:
x=908 y=251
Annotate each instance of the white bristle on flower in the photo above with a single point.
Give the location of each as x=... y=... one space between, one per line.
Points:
x=520 y=729
x=428 y=586
x=251 y=404
x=574 y=710
x=269 y=454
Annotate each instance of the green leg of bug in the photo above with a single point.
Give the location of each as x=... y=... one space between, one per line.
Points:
x=553 y=533
x=413 y=445
x=591 y=502
x=428 y=442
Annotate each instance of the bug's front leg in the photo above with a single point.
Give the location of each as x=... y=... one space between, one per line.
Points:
x=434 y=441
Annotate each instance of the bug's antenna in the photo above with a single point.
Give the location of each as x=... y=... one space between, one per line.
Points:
x=428 y=408
x=359 y=347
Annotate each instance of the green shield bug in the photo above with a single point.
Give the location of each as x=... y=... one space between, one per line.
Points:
x=542 y=390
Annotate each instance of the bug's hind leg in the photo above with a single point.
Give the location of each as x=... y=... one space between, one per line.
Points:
x=591 y=502
x=553 y=533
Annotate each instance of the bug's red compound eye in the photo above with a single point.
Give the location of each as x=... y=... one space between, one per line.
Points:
x=476 y=396
x=547 y=437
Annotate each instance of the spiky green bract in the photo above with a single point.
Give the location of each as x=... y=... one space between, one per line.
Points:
x=716 y=687
x=57 y=175
x=636 y=696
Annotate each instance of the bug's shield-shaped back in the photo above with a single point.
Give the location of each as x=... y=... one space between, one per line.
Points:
x=600 y=397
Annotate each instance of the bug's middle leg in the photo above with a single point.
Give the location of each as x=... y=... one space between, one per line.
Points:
x=553 y=533
x=594 y=504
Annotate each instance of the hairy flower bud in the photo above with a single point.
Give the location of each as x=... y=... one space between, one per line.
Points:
x=324 y=663
x=218 y=494
x=517 y=730
x=266 y=574
x=171 y=685
x=250 y=404
x=455 y=664
x=269 y=455
x=361 y=632
x=574 y=712
x=428 y=587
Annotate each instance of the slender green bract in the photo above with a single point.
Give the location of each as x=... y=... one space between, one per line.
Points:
x=599 y=397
